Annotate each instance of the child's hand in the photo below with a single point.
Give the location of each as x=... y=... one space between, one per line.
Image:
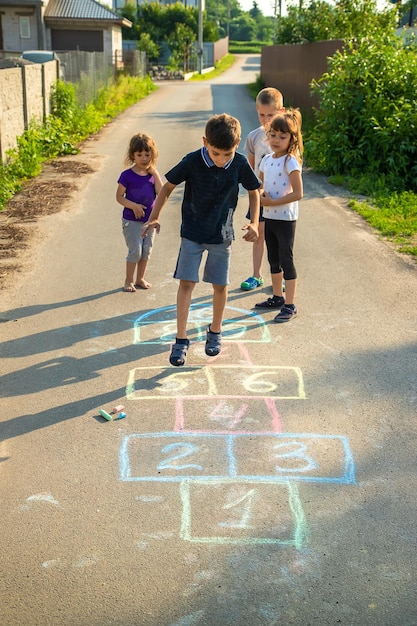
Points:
x=266 y=199
x=150 y=226
x=252 y=234
x=139 y=211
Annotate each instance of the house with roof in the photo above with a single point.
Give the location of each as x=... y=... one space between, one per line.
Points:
x=59 y=25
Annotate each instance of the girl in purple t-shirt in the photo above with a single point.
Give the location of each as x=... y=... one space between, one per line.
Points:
x=137 y=189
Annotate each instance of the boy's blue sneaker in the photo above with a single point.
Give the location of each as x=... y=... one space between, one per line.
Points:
x=252 y=283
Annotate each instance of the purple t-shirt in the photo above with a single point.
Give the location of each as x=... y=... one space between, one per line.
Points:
x=139 y=189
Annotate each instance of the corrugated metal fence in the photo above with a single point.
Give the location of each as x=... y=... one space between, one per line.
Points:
x=291 y=68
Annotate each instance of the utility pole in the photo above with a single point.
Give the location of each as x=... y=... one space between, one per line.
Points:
x=200 y=36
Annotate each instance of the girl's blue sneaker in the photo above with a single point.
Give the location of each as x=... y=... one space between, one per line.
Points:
x=252 y=283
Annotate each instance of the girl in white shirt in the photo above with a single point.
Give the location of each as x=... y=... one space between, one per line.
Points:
x=282 y=188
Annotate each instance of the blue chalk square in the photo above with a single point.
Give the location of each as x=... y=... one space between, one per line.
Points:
x=242 y=513
x=292 y=456
x=172 y=457
x=159 y=325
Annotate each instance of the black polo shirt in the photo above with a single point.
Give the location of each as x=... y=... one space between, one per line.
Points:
x=210 y=194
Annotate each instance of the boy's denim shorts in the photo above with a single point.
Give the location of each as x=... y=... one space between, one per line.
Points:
x=139 y=248
x=217 y=264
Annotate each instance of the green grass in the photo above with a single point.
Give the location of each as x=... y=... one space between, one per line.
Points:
x=247 y=47
x=394 y=216
x=219 y=67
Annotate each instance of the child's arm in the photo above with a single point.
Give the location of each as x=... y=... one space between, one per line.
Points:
x=158 y=180
x=296 y=193
x=261 y=178
x=252 y=228
x=138 y=209
x=160 y=202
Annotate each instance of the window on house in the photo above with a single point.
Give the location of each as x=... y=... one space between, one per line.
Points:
x=24 y=25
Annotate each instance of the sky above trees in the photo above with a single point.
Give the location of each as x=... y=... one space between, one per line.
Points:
x=266 y=6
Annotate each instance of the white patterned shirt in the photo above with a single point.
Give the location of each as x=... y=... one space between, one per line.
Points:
x=276 y=173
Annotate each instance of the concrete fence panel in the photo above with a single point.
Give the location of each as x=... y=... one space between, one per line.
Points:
x=12 y=114
x=33 y=93
x=25 y=95
x=220 y=49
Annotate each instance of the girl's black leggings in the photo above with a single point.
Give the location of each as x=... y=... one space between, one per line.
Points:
x=279 y=239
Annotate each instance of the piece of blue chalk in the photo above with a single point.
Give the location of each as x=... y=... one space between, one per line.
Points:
x=120 y=416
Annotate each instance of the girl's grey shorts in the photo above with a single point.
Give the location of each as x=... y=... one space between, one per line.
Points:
x=216 y=267
x=139 y=248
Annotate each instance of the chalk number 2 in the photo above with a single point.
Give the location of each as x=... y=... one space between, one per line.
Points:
x=179 y=451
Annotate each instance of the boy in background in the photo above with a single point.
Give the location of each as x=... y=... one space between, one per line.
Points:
x=269 y=102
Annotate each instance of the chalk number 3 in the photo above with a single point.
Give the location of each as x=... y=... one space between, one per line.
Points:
x=294 y=452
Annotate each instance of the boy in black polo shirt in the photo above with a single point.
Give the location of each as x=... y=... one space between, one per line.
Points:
x=212 y=176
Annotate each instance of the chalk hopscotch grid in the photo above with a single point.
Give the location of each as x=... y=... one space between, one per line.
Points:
x=175 y=386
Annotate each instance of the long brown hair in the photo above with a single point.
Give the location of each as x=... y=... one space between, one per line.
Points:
x=290 y=121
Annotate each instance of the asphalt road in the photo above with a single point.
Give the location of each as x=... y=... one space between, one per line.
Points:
x=272 y=485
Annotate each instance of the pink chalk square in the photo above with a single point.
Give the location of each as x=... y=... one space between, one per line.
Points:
x=227 y=415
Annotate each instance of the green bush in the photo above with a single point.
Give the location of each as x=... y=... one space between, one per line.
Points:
x=366 y=126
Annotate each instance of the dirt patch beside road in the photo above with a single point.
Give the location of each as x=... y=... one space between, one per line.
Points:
x=46 y=194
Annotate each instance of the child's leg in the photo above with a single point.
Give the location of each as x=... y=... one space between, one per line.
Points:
x=258 y=251
x=286 y=245
x=290 y=288
x=289 y=310
x=219 y=305
x=145 y=249
x=214 y=331
x=184 y=294
x=277 y=284
x=140 y=275
x=130 y=270
x=132 y=234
